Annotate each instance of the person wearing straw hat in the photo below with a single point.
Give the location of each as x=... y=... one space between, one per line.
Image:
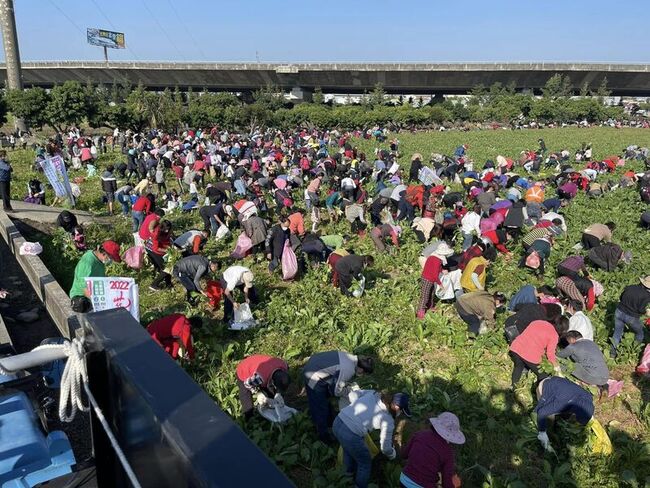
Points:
x=433 y=268
x=429 y=455
x=634 y=302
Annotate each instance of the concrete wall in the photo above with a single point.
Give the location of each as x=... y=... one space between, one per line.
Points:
x=55 y=299
x=412 y=78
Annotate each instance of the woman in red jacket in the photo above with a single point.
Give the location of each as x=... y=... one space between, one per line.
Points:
x=156 y=246
x=528 y=348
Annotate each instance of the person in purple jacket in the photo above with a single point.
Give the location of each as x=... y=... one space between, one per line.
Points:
x=430 y=457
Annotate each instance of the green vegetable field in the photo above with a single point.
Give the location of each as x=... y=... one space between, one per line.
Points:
x=433 y=359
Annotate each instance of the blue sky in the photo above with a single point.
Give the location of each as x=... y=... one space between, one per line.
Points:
x=334 y=30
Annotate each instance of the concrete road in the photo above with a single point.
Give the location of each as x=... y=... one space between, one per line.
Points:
x=43 y=213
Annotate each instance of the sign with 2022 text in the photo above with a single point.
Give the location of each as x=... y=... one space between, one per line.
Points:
x=111 y=292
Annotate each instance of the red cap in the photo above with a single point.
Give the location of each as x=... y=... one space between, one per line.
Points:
x=112 y=248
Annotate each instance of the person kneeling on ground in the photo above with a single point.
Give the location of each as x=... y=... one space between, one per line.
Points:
x=174 y=334
x=478 y=310
x=368 y=411
x=429 y=455
x=263 y=375
x=241 y=278
x=92 y=264
x=327 y=374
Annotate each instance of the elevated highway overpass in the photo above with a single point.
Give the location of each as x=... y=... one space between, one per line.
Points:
x=412 y=78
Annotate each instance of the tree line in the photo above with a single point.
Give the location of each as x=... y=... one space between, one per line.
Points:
x=124 y=106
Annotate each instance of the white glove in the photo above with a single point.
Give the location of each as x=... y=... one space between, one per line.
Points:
x=261 y=400
x=543 y=438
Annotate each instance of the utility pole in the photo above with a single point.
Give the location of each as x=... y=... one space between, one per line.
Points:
x=12 y=54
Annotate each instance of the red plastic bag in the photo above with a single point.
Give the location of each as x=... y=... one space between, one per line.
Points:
x=644 y=365
x=289 y=262
x=215 y=293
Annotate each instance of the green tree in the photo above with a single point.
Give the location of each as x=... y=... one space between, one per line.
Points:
x=603 y=91
x=269 y=97
x=377 y=96
x=30 y=105
x=68 y=105
x=317 y=97
x=557 y=86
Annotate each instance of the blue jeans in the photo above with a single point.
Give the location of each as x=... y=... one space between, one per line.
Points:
x=214 y=226
x=138 y=218
x=467 y=241
x=124 y=201
x=621 y=319
x=355 y=453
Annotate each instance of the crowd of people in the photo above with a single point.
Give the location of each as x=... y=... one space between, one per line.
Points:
x=269 y=186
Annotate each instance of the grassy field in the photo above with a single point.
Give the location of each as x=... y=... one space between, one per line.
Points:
x=432 y=359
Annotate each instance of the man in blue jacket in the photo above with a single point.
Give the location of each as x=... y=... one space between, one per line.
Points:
x=559 y=396
x=5 y=181
x=327 y=374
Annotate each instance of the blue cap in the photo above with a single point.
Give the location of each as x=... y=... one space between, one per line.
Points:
x=402 y=401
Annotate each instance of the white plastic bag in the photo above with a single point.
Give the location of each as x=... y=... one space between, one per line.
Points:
x=30 y=248
x=243 y=318
x=359 y=288
x=275 y=410
x=222 y=232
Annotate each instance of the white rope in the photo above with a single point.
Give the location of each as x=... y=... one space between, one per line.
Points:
x=74 y=378
x=111 y=437
x=74 y=375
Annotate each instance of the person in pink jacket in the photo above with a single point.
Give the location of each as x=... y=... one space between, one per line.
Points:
x=528 y=348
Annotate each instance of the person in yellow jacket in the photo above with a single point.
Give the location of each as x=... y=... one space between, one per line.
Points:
x=474 y=274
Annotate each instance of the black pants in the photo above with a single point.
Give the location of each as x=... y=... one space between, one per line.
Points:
x=589 y=241
x=245 y=398
x=5 y=193
x=420 y=236
x=159 y=265
x=562 y=271
x=345 y=283
x=228 y=309
x=320 y=409
x=520 y=365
